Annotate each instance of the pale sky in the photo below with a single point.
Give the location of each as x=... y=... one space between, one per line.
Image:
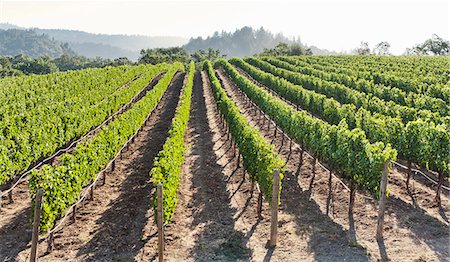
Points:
x=336 y=25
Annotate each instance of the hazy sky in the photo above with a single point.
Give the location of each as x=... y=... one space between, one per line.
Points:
x=336 y=25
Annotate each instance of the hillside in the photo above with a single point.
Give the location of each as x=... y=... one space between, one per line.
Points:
x=110 y=46
x=28 y=42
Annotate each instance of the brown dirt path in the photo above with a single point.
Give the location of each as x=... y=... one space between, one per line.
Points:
x=306 y=232
x=118 y=225
x=204 y=226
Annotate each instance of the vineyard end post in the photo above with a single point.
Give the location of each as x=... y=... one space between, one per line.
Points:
x=160 y=223
x=382 y=205
x=274 y=209
x=36 y=222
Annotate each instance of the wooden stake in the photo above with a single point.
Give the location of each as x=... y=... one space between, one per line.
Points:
x=74 y=214
x=382 y=206
x=351 y=221
x=159 y=221
x=330 y=192
x=259 y=207
x=274 y=209
x=36 y=222
x=50 y=243
x=10 y=196
x=92 y=193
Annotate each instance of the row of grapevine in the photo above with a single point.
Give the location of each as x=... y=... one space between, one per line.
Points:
x=347 y=95
x=385 y=93
x=347 y=152
x=62 y=183
x=429 y=70
x=259 y=156
x=421 y=142
x=413 y=83
x=167 y=165
x=49 y=111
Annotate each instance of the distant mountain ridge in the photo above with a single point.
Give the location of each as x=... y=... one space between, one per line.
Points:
x=103 y=45
x=245 y=41
x=18 y=41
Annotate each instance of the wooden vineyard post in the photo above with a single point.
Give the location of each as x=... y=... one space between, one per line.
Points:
x=74 y=214
x=36 y=222
x=259 y=207
x=159 y=221
x=382 y=206
x=330 y=191
x=274 y=209
x=10 y=196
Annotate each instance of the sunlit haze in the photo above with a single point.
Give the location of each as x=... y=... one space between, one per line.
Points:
x=334 y=25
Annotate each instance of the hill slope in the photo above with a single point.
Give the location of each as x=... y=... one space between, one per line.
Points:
x=28 y=42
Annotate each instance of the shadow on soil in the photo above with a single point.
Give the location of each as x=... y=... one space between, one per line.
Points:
x=424 y=226
x=326 y=239
x=122 y=225
x=218 y=240
x=15 y=236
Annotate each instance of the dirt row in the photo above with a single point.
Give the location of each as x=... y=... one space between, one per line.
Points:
x=411 y=233
x=116 y=223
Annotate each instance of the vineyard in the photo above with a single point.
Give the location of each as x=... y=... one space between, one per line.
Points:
x=333 y=158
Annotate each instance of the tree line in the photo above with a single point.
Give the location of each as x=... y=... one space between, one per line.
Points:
x=435 y=45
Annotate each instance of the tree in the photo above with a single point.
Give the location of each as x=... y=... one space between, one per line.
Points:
x=283 y=49
x=161 y=55
x=201 y=55
x=433 y=46
x=382 y=48
x=363 y=49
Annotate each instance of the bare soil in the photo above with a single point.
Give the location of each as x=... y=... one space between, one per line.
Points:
x=117 y=225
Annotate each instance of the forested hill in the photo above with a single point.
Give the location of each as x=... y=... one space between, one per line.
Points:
x=94 y=45
x=245 y=42
x=28 y=42
x=110 y=46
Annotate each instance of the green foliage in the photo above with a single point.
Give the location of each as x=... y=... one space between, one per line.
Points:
x=435 y=45
x=410 y=140
x=63 y=183
x=346 y=95
x=28 y=42
x=200 y=56
x=283 y=49
x=386 y=93
x=346 y=151
x=422 y=75
x=260 y=158
x=167 y=165
x=42 y=113
x=163 y=55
